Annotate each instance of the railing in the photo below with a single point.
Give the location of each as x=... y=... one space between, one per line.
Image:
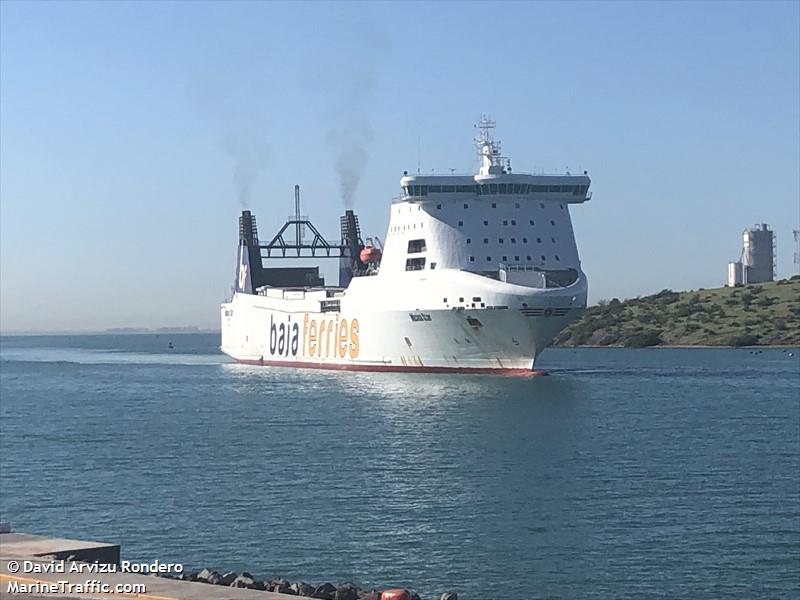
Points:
x=533 y=276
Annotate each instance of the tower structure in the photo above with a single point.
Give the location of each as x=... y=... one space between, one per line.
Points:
x=757 y=260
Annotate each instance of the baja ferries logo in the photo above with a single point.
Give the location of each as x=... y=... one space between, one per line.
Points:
x=321 y=338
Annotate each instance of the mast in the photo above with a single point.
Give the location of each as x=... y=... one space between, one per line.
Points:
x=492 y=162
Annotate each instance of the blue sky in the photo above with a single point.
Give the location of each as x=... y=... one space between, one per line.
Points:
x=127 y=132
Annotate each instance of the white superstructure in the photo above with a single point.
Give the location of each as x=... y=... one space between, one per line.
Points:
x=478 y=272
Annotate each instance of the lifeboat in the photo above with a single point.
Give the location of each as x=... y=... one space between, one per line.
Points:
x=370 y=254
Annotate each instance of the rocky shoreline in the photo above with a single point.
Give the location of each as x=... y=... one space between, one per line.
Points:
x=324 y=591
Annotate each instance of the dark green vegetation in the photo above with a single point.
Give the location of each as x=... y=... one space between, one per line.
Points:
x=754 y=315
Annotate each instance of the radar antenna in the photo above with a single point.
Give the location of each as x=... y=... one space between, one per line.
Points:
x=492 y=162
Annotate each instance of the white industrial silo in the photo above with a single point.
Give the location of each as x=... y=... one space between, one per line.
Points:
x=735 y=273
x=758 y=254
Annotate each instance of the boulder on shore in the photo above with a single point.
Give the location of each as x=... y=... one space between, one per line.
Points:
x=227 y=578
x=301 y=588
x=326 y=591
x=206 y=575
x=243 y=582
x=346 y=591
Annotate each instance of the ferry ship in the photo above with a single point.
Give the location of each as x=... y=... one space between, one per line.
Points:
x=476 y=274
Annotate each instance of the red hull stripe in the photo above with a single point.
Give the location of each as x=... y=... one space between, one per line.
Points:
x=391 y=368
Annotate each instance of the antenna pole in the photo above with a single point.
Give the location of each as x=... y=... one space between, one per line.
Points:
x=298 y=226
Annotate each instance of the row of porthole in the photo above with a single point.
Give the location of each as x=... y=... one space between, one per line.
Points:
x=516 y=258
x=512 y=222
x=403 y=228
x=505 y=222
x=513 y=240
x=494 y=205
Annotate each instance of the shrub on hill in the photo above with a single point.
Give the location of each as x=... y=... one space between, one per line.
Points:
x=747 y=339
x=643 y=340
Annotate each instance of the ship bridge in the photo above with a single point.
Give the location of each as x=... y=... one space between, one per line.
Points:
x=493 y=222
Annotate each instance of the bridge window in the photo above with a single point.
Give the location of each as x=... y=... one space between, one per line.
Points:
x=538 y=240
x=553 y=223
x=485 y=240
x=466 y=206
x=486 y=222
x=494 y=204
x=513 y=240
x=461 y=223
x=471 y=259
x=488 y=259
x=553 y=240
x=505 y=258
x=528 y=257
x=439 y=206
x=516 y=205
x=433 y=266
x=541 y=204
x=415 y=246
x=469 y=240
x=500 y=240
x=554 y=188
x=503 y=188
x=415 y=264
x=513 y=222
x=516 y=258
x=544 y=258
x=524 y=240
x=532 y=222
x=557 y=258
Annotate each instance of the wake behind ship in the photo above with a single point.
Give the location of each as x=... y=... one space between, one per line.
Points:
x=478 y=273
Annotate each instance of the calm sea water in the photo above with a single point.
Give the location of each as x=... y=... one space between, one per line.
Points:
x=626 y=473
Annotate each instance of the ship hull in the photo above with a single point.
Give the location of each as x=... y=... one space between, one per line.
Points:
x=371 y=332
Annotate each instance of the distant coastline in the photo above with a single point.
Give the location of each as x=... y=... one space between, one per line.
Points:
x=114 y=331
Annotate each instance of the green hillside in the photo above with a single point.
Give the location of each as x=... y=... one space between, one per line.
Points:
x=761 y=314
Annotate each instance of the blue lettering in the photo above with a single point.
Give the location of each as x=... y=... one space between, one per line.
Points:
x=295 y=338
x=273 y=336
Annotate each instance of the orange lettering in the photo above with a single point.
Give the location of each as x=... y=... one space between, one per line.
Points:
x=354 y=339
x=312 y=339
x=343 y=338
x=305 y=332
x=328 y=340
